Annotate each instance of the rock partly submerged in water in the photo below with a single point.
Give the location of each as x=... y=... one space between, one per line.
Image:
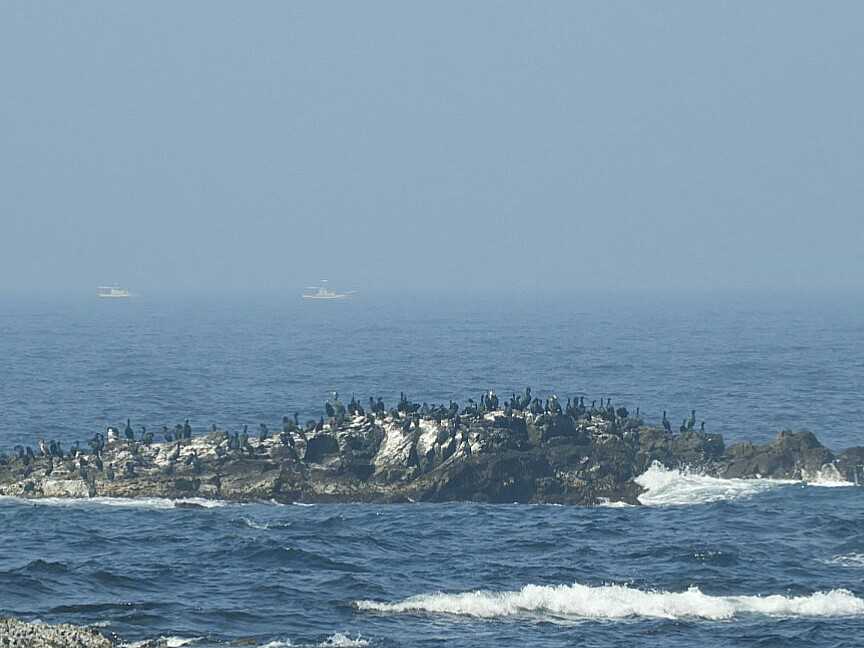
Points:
x=21 y=634
x=580 y=457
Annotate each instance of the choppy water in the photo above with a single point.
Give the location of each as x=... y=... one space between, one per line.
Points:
x=710 y=562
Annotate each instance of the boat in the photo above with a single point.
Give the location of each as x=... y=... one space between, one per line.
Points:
x=323 y=292
x=113 y=292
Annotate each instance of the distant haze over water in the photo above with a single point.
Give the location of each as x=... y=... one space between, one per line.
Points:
x=749 y=366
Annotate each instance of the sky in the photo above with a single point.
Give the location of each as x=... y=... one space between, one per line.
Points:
x=466 y=147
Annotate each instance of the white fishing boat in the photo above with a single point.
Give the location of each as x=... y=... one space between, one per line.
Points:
x=324 y=292
x=113 y=292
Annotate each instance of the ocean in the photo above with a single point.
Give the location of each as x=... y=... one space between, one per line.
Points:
x=705 y=561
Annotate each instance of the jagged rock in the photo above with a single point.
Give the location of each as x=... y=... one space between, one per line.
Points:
x=20 y=634
x=792 y=455
x=489 y=457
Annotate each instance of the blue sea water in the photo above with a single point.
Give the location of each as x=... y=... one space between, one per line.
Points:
x=705 y=562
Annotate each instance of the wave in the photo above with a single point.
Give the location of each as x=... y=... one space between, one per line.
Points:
x=605 y=502
x=277 y=555
x=163 y=642
x=252 y=524
x=855 y=559
x=344 y=641
x=337 y=640
x=155 y=503
x=44 y=567
x=827 y=477
x=610 y=602
x=677 y=487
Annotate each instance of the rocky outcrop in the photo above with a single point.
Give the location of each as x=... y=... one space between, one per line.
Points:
x=578 y=457
x=20 y=634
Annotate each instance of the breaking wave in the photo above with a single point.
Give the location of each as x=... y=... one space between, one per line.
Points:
x=605 y=502
x=155 y=503
x=621 y=602
x=344 y=641
x=828 y=477
x=337 y=640
x=164 y=642
x=680 y=487
x=676 y=487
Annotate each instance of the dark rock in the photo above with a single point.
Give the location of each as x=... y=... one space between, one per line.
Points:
x=319 y=447
x=512 y=457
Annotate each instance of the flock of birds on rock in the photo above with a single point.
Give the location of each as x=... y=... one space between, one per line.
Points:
x=337 y=413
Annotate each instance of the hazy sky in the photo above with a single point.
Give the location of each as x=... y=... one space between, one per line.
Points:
x=474 y=146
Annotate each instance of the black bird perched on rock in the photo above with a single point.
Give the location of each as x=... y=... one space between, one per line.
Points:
x=187 y=430
x=97 y=442
x=129 y=433
x=167 y=434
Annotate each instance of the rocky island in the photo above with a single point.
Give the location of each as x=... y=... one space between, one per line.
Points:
x=520 y=450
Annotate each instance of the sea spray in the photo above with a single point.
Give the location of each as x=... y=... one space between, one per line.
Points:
x=680 y=487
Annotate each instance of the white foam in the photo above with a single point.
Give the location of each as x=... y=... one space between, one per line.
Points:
x=337 y=640
x=676 y=487
x=167 y=642
x=827 y=477
x=854 y=559
x=177 y=642
x=621 y=602
x=119 y=502
x=343 y=641
x=605 y=502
